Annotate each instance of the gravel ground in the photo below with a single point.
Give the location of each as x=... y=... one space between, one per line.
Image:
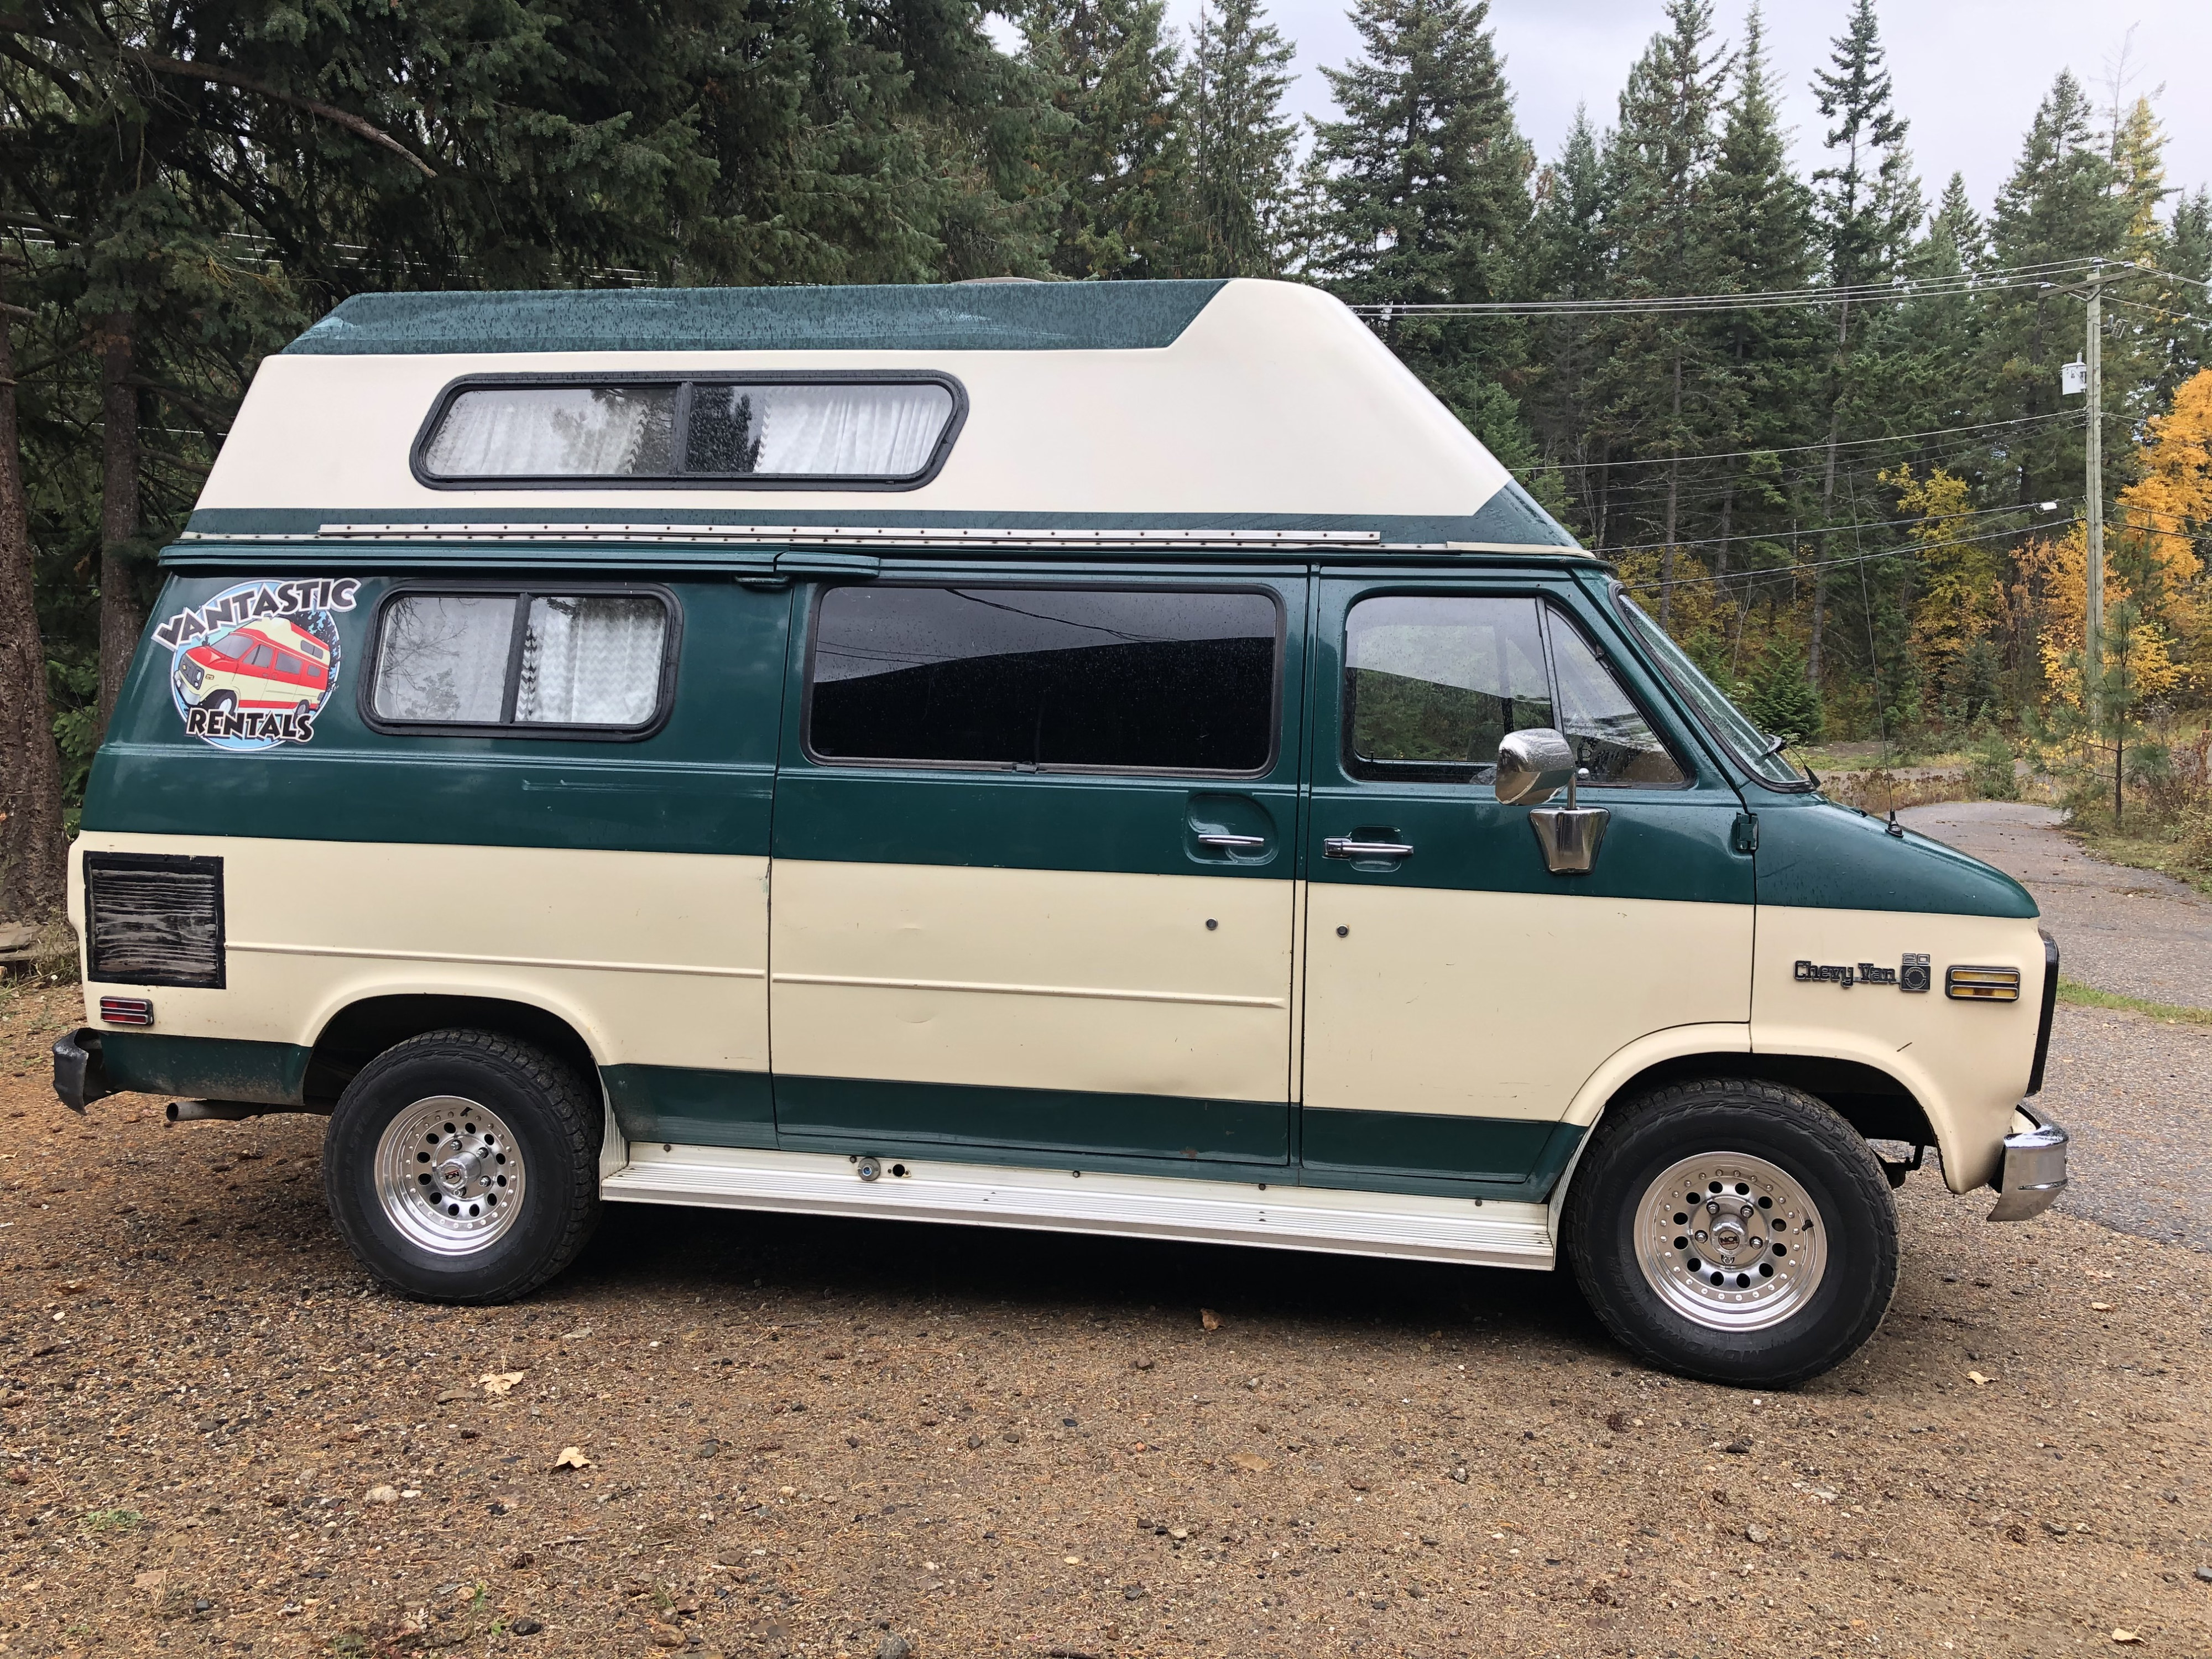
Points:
x=2135 y=1094
x=2131 y=930
x=815 y=1438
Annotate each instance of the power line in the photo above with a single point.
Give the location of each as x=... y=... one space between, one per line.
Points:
x=1768 y=571
x=1826 y=530
x=2061 y=415
x=1965 y=282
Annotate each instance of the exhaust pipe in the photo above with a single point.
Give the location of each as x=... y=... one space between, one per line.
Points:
x=223 y=1111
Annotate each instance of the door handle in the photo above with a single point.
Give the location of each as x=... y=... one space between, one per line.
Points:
x=1343 y=847
x=1231 y=842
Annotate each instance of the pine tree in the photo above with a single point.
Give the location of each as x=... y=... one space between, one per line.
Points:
x=1761 y=231
x=1866 y=203
x=1569 y=259
x=1117 y=161
x=2061 y=201
x=1423 y=198
x=1663 y=156
x=1242 y=151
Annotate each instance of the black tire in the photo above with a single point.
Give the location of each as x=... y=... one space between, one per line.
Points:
x=1803 y=1139
x=546 y=1115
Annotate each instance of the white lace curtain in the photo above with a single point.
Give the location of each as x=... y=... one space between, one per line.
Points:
x=825 y=431
x=591 y=661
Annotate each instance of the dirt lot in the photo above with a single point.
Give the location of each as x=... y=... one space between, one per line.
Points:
x=815 y=1438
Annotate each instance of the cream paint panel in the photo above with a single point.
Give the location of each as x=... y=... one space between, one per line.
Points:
x=1495 y=1004
x=1199 y=426
x=655 y=958
x=1039 y=979
x=1967 y=1063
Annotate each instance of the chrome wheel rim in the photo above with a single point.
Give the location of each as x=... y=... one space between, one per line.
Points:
x=1730 y=1242
x=449 y=1176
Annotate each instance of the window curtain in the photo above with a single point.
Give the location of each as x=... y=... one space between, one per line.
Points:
x=849 y=431
x=556 y=431
x=591 y=661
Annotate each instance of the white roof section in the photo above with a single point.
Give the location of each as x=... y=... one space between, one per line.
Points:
x=1274 y=407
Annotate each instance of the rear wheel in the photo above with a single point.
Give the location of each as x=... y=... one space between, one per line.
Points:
x=463 y=1166
x=1734 y=1230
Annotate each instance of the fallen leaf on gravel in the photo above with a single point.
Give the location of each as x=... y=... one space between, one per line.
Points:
x=2101 y=1307
x=572 y=1457
x=496 y=1384
x=2126 y=1636
x=570 y=1336
x=1249 y=1463
x=1977 y=1378
x=382 y=1495
x=150 y=1581
x=1210 y=1319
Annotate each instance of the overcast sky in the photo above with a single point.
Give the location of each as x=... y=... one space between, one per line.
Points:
x=1969 y=73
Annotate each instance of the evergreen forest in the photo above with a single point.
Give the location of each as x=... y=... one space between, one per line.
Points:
x=1809 y=402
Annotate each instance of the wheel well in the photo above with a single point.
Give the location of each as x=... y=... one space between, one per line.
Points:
x=357 y=1034
x=1872 y=1101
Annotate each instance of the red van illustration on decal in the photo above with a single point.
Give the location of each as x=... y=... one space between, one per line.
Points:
x=269 y=664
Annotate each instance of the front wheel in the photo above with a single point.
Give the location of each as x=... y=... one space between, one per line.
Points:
x=463 y=1166
x=1732 y=1230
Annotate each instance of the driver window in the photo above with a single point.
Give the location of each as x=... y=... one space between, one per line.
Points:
x=1612 y=740
x=1433 y=683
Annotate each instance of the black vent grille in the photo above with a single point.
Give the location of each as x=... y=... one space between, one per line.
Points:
x=151 y=919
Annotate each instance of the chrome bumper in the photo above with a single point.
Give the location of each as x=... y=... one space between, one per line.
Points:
x=2034 y=1171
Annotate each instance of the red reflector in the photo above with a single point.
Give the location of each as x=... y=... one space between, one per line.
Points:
x=126 y=1010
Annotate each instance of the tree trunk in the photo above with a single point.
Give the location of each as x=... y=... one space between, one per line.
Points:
x=1813 y=657
x=122 y=612
x=1674 y=485
x=33 y=857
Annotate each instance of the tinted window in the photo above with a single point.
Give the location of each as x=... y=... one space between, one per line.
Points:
x=522 y=660
x=1058 y=676
x=1433 y=683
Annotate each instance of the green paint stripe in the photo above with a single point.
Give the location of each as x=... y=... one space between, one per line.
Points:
x=889 y=317
x=204 y=1068
x=850 y=1114
x=691 y=1107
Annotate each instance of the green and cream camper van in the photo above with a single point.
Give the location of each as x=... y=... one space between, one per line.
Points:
x=1114 y=757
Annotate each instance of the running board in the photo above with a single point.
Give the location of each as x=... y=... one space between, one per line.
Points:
x=1493 y=1233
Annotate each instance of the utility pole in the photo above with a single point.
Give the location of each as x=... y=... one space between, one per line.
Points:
x=2093 y=617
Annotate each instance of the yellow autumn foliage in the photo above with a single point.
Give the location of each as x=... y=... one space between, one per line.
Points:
x=1959 y=579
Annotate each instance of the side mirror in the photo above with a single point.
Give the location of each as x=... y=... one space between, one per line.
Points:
x=1533 y=765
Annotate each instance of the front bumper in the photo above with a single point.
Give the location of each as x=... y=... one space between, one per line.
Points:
x=2034 y=1170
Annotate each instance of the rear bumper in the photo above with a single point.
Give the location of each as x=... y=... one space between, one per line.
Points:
x=80 y=1072
x=2033 y=1173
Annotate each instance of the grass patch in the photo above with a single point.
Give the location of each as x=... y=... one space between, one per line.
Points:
x=2088 y=996
x=107 y=1522
x=2154 y=853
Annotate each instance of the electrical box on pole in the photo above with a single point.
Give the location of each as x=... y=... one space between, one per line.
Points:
x=2073 y=377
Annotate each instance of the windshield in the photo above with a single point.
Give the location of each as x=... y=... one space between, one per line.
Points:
x=1761 y=753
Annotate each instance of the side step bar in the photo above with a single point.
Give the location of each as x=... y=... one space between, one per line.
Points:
x=1496 y=1234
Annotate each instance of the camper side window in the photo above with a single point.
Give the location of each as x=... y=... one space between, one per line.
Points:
x=1045 y=679
x=544 y=665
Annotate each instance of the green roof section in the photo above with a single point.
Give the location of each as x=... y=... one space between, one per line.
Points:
x=1015 y=316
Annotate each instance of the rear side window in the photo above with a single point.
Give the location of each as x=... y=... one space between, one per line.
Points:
x=528 y=664
x=851 y=433
x=1046 y=678
x=1433 y=683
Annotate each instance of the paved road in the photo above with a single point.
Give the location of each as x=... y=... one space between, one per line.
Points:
x=2135 y=1094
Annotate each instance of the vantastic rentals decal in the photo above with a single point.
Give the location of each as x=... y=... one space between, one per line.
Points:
x=253 y=667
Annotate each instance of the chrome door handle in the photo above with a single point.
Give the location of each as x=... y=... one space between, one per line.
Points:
x=1233 y=842
x=1343 y=847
